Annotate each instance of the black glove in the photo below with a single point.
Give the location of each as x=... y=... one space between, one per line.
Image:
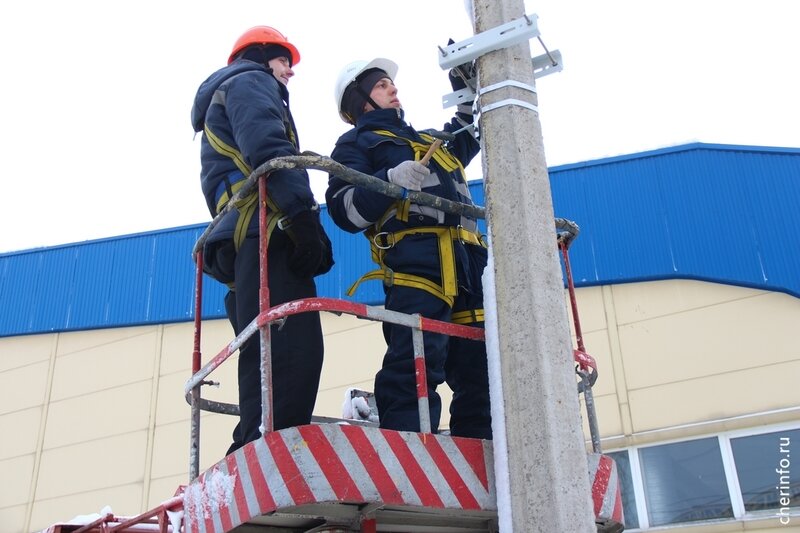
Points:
x=456 y=80
x=312 y=254
x=327 y=255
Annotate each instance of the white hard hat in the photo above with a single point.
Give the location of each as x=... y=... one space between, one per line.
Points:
x=350 y=72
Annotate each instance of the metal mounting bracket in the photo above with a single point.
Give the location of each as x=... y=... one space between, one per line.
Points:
x=543 y=65
x=495 y=39
x=548 y=63
x=458 y=97
x=502 y=36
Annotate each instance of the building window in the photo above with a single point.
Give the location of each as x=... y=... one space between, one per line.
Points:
x=626 y=487
x=685 y=482
x=764 y=468
x=735 y=475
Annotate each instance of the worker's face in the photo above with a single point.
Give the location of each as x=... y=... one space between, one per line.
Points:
x=384 y=94
x=281 y=69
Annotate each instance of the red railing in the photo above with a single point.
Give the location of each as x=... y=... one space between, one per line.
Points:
x=567 y=231
x=160 y=518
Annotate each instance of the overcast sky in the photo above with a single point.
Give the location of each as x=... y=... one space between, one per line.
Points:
x=97 y=141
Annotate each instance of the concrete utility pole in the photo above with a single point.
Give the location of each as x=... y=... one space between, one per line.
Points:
x=548 y=483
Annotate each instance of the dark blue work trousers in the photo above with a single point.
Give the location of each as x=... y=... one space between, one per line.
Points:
x=459 y=362
x=297 y=346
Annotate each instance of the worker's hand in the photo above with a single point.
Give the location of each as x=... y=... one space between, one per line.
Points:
x=409 y=175
x=462 y=77
x=459 y=75
x=312 y=254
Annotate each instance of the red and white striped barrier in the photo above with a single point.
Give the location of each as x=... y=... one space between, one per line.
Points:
x=606 y=493
x=341 y=464
x=342 y=474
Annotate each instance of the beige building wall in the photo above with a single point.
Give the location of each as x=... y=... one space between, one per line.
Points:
x=679 y=359
x=96 y=418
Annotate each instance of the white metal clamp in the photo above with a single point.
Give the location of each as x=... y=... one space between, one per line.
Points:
x=502 y=36
x=497 y=38
x=507 y=101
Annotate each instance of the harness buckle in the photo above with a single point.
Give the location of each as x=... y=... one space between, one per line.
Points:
x=388 y=277
x=459 y=229
x=380 y=246
x=283 y=223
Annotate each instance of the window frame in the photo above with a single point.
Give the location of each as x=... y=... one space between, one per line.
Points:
x=729 y=468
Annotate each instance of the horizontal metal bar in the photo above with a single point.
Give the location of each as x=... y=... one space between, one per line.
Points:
x=546 y=64
x=458 y=97
x=318 y=162
x=497 y=38
x=543 y=65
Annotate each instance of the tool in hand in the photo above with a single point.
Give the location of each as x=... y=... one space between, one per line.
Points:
x=436 y=144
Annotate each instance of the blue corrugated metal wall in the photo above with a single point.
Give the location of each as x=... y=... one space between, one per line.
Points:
x=720 y=213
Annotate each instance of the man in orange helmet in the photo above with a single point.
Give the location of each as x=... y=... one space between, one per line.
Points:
x=243 y=111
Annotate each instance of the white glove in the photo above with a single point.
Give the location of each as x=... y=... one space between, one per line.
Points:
x=409 y=175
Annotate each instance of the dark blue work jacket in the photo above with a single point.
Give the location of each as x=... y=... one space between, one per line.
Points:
x=357 y=209
x=244 y=114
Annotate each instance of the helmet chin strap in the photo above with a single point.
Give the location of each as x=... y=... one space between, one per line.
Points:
x=367 y=97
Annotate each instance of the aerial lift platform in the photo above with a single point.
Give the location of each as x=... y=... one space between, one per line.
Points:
x=353 y=476
x=348 y=475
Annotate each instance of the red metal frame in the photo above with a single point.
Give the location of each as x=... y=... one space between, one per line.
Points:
x=158 y=516
x=267 y=315
x=263 y=305
x=586 y=368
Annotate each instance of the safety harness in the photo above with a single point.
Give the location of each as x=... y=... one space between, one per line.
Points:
x=445 y=159
x=248 y=204
x=381 y=241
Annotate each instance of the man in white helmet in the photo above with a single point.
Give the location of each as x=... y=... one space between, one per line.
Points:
x=430 y=262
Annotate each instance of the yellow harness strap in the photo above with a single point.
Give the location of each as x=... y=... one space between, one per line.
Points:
x=381 y=241
x=247 y=208
x=445 y=235
x=224 y=199
x=389 y=278
x=444 y=158
x=228 y=151
x=403 y=207
x=470 y=316
x=247 y=205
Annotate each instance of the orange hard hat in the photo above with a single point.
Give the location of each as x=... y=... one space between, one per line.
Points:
x=263 y=35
